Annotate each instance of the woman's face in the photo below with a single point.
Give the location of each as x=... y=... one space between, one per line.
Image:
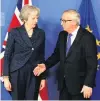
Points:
x=32 y=20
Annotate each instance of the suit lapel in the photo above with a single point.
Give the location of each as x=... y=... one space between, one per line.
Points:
x=24 y=36
x=35 y=37
x=77 y=39
x=63 y=38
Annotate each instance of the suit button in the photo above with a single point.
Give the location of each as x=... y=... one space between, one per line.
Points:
x=32 y=48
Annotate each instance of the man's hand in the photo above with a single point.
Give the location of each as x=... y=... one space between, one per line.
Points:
x=87 y=91
x=39 y=69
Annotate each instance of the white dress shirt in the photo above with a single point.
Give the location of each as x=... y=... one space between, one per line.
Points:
x=74 y=33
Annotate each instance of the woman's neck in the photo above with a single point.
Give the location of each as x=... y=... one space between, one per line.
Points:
x=28 y=28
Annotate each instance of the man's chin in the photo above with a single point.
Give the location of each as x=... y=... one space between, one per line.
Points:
x=64 y=30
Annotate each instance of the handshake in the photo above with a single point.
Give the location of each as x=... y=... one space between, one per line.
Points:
x=39 y=69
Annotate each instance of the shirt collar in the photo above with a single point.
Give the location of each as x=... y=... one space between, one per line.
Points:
x=74 y=33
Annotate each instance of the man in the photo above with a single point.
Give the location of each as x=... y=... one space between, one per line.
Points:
x=76 y=50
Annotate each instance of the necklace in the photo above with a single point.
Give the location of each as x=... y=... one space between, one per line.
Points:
x=30 y=32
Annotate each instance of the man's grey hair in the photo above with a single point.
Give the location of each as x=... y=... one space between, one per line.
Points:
x=26 y=10
x=74 y=15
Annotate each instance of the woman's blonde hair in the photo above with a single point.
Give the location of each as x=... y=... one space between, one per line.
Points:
x=26 y=10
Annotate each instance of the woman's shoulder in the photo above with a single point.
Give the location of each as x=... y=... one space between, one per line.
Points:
x=15 y=29
x=40 y=30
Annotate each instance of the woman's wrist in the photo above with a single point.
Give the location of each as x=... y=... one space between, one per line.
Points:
x=6 y=77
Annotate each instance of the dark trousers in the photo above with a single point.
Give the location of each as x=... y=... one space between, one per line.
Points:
x=65 y=95
x=25 y=86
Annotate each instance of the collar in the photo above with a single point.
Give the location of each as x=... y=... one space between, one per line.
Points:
x=74 y=33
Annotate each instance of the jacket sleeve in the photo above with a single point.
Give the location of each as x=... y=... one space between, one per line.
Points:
x=55 y=57
x=44 y=75
x=91 y=60
x=42 y=49
x=42 y=55
x=8 y=53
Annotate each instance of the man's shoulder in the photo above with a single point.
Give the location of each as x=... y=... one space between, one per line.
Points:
x=63 y=33
x=88 y=35
x=86 y=32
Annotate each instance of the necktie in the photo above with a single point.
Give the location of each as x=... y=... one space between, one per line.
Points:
x=68 y=43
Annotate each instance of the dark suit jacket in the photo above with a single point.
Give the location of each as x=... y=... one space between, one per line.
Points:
x=80 y=64
x=19 y=49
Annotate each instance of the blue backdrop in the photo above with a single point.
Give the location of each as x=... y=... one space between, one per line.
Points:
x=51 y=11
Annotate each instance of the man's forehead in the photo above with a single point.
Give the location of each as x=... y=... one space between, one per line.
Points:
x=66 y=15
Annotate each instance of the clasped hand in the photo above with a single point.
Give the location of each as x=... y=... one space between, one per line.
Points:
x=39 y=69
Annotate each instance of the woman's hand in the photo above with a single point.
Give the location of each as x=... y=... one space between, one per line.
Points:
x=7 y=84
x=42 y=84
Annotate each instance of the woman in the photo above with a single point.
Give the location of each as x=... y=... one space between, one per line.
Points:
x=24 y=51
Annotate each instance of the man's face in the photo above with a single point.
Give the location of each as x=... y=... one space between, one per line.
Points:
x=66 y=21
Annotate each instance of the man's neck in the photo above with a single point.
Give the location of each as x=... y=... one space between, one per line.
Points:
x=72 y=29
